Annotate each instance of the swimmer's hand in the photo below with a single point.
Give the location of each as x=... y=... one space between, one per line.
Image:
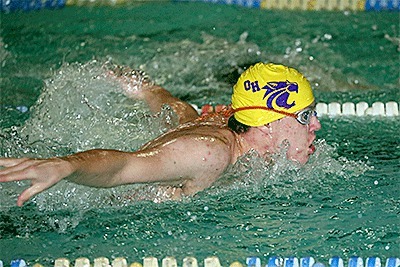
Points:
x=43 y=173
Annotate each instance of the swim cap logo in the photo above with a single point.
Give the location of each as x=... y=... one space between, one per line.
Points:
x=277 y=92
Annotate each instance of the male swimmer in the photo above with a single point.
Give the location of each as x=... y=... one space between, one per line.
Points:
x=271 y=104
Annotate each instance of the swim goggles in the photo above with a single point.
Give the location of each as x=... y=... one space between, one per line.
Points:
x=303 y=117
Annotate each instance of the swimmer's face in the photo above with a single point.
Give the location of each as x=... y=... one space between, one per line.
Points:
x=299 y=136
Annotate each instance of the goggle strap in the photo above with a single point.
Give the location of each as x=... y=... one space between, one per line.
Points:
x=232 y=110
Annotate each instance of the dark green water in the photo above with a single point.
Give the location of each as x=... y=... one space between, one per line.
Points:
x=345 y=202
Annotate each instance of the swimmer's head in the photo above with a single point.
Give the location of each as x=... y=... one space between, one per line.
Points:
x=268 y=92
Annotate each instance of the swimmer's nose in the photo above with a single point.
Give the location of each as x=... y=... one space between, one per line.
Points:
x=315 y=124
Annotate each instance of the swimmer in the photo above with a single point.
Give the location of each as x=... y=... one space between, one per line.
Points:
x=271 y=104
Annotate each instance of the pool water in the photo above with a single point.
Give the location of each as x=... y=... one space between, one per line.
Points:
x=56 y=99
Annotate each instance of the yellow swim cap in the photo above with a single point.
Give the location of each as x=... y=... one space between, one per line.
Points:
x=273 y=88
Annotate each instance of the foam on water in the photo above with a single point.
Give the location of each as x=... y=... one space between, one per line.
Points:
x=81 y=108
x=283 y=178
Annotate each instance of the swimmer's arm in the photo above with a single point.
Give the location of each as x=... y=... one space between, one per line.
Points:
x=156 y=97
x=188 y=158
x=199 y=162
x=95 y=168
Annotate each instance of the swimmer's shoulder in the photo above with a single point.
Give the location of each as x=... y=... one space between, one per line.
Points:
x=206 y=129
x=219 y=134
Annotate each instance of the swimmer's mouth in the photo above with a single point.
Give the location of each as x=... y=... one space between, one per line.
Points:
x=311 y=149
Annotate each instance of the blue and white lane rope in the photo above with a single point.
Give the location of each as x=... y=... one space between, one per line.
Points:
x=214 y=262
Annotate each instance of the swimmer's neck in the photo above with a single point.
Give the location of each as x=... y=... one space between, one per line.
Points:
x=242 y=146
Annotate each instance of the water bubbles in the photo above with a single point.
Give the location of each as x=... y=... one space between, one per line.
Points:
x=243 y=37
x=22 y=109
x=327 y=36
x=315 y=40
x=95 y=112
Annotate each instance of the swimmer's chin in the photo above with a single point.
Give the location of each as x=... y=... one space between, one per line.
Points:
x=302 y=159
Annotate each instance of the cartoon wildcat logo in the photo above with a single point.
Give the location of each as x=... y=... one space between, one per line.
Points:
x=279 y=93
x=276 y=92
